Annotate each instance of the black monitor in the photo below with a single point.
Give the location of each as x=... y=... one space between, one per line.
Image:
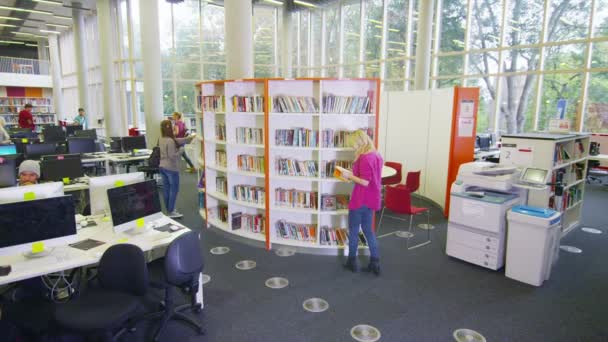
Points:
x=17 y=132
x=81 y=145
x=53 y=133
x=134 y=201
x=115 y=144
x=37 y=224
x=8 y=150
x=70 y=130
x=133 y=143
x=35 y=151
x=484 y=141
x=8 y=171
x=59 y=168
x=86 y=133
x=61 y=156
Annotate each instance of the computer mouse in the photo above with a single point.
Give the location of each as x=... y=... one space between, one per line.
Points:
x=174 y=228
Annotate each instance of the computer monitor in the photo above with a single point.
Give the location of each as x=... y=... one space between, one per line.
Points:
x=484 y=141
x=59 y=169
x=133 y=143
x=70 y=130
x=115 y=144
x=16 y=132
x=86 y=133
x=61 y=156
x=38 y=191
x=534 y=176
x=98 y=187
x=37 y=224
x=81 y=145
x=134 y=202
x=53 y=134
x=8 y=171
x=35 y=151
x=8 y=150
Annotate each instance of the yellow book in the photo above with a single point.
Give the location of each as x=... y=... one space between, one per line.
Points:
x=341 y=173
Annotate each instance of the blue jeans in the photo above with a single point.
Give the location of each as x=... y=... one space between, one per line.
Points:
x=170 y=188
x=361 y=217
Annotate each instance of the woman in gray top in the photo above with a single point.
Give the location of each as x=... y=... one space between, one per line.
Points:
x=170 y=152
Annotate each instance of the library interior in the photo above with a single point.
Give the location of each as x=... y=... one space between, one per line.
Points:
x=303 y=170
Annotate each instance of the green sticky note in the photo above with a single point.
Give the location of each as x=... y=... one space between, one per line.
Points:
x=105 y=219
x=66 y=180
x=123 y=240
x=119 y=183
x=37 y=247
x=139 y=223
x=28 y=196
x=24 y=140
x=135 y=150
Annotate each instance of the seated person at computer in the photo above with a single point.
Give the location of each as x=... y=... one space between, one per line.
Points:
x=29 y=172
x=5 y=138
x=26 y=120
x=81 y=119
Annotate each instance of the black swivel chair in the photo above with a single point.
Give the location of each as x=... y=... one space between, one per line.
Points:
x=183 y=266
x=106 y=311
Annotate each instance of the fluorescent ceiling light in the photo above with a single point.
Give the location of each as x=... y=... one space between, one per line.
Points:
x=11 y=42
x=9 y=18
x=22 y=33
x=49 y=31
x=379 y=26
x=375 y=21
x=377 y=36
x=36 y=45
x=393 y=30
x=398 y=43
x=303 y=3
x=62 y=17
x=57 y=25
x=57 y=3
x=25 y=10
x=7 y=25
x=274 y=2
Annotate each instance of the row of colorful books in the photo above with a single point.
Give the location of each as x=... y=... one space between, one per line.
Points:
x=329 y=166
x=220 y=158
x=348 y=104
x=220 y=131
x=221 y=185
x=297 y=137
x=220 y=212
x=249 y=163
x=339 y=138
x=334 y=201
x=294 y=104
x=252 y=223
x=22 y=101
x=249 y=193
x=292 y=167
x=337 y=237
x=293 y=198
x=296 y=231
x=248 y=103
x=213 y=103
x=248 y=135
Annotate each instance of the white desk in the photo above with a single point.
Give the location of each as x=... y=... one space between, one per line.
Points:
x=99 y=158
x=76 y=187
x=599 y=157
x=388 y=171
x=118 y=158
x=66 y=257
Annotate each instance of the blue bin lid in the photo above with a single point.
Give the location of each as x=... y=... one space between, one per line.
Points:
x=533 y=211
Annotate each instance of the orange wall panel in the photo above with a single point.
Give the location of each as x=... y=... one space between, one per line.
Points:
x=33 y=92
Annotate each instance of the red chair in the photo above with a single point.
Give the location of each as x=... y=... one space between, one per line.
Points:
x=412 y=181
x=398 y=199
x=396 y=178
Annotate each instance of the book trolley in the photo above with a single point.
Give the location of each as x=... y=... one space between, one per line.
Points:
x=269 y=149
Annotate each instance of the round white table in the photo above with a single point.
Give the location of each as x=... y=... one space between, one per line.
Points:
x=388 y=171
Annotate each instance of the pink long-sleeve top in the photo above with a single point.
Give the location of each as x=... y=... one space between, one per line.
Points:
x=369 y=167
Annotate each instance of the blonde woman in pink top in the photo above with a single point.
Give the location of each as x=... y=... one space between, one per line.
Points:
x=364 y=200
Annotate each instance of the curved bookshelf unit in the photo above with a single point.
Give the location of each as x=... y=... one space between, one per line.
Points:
x=269 y=148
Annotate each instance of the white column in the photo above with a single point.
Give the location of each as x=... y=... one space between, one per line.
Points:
x=113 y=121
x=82 y=66
x=56 y=76
x=286 y=44
x=150 y=51
x=238 y=38
x=423 y=45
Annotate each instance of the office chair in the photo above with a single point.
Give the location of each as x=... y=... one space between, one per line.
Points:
x=396 y=178
x=399 y=200
x=123 y=281
x=183 y=265
x=412 y=181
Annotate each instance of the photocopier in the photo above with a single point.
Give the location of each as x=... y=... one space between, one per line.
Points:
x=479 y=200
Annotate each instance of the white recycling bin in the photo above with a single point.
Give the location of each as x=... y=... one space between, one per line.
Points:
x=532 y=240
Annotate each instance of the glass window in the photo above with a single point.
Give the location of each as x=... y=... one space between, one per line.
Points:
x=168 y=99
x=486 y=17
x=304 y=27
x=524 y=22
x=600 y=21
x=568 y=19
x=517 y=103
x=599 y=57
x=352 y=25
x=315 y=48
x=213 y=34
x=185 y=97
x=565 y=57
x=486 y=112
x=373 y=34
x=396 y=39
x=450 y=65
x=332 y=31
x=186 y=31
x=562 y=86
x=453 y=23
x=596 y=111
x=263 y=39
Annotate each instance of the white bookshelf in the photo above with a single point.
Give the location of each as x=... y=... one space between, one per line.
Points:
x=271 y=120
x=539 y=150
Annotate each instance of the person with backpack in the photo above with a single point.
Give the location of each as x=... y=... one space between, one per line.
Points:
x=179 y=130
x=171 y=149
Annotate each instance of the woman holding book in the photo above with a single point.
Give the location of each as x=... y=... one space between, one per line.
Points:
x=364 y=200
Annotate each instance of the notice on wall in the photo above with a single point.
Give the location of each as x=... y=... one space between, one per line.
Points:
x=465 y=127
x=467 y=108
x=520 y=156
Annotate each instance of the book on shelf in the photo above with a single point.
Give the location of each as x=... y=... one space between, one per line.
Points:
x=292 y=167
x=561 y=154
x=330 y=202
x=220 y=131
x=328 y=166
x=221 y=185
x=253 y=223
x=292 y=198
x=213 y=103
x=249 y=193
x=220 y=158
x=247 y=103
x=294 y=104
x=249 y=135
x=249 y=163
x=348 y=104
x=339 y=138
x=579 y=149
x=236 y=220
x=338 y=237
x=219 y=213
x=296 y=231
x=342 y=173
x=297 y=137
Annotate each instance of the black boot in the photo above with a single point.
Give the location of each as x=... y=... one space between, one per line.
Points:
x=352 y=264
x=374 y=266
